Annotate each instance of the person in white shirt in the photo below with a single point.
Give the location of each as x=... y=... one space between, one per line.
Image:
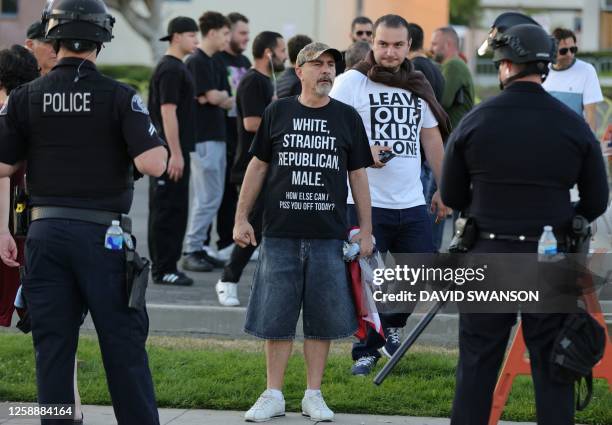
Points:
x=400 y=115
x=573 y=81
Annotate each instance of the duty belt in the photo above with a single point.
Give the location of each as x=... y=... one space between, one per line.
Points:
x=492 y=236
x=80 y=214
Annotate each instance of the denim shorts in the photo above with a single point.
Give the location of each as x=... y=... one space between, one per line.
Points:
x=296 y=274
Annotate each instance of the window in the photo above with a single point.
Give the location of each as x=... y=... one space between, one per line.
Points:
x=8 y=7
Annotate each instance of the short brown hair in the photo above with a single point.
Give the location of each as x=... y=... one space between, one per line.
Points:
x=563 y=33
x=213 y=21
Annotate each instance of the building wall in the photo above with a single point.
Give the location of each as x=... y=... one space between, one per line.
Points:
x=324 y=20
x=13 y=28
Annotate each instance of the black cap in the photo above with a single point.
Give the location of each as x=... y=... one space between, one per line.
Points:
x=524 y=43
x=36 y=31
x=180 y=25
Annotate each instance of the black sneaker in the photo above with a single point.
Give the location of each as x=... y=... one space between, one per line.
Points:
x=393 y=341
x=364 y=365
x=194 y=262
x=215 y=262
x=174 y=278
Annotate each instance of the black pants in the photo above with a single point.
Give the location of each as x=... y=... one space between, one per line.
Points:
x=168 y=214
x=482 y=344
x=227 y=210
x=68 y=270
x=240 y=256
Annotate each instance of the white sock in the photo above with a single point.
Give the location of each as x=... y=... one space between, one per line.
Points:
x=277 y=394
x=312 y=393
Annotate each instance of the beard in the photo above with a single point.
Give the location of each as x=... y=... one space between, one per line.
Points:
x=235 y=47
x=276 y=65
x=323 y=89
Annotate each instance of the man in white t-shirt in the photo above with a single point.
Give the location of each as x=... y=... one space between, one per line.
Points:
x=395 y=120
x=572 y=81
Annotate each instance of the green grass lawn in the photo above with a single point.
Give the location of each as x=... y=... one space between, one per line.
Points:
x=215 y=374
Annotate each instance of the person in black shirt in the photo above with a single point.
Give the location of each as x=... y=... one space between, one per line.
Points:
x=304 y=150
x=288 y=83
x=254 y=95
x=510 y=164
x=171 y=94
x=422 y=62
x=208 y=162
x=236 y=65
x=361 y=30
x=83 y=136
x=433 y=74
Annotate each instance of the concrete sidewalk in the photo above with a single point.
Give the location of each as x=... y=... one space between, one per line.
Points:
x=103 y=415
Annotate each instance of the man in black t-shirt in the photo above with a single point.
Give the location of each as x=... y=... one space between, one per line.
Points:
x=304 y=148
x=254 y=94
x=171 y=94
x=433 y=74
x=208 y=162
x=288 y=83
x=236 y=65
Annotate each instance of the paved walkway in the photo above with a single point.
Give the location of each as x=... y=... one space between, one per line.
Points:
x=103 y=415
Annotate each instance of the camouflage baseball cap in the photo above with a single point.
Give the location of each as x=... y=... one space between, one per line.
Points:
x=312 y=52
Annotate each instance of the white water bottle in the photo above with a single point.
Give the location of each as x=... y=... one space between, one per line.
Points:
x=547 y=246
x=114 y=236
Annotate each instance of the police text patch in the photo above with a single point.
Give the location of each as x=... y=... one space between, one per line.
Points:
x=67 y=103
x=138 y=105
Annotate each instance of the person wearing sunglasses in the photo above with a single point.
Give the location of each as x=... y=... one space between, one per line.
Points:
x=573 y=81
x=361 y=30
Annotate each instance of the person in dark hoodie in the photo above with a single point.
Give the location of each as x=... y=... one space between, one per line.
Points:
x=288 y=82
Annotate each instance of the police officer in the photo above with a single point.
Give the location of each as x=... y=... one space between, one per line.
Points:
x=510 y=163
x=81 y=134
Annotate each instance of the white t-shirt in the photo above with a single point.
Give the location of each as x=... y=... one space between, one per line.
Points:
x=392 y=117
x=575 y=86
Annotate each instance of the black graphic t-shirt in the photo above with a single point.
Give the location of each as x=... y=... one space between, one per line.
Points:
x=208 y=74
x=236 y=67
x=254 y=95
x=309 y=151
x=172 y=83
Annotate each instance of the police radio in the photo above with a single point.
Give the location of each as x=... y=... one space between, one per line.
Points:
x=20 y=213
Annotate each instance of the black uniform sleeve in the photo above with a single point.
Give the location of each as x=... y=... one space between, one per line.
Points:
x=170 y=87
x=138 y=131
x=360 y=155
x=455 y=184
x=13 y=140
x=592 y=181
x=262 y=142
x=203 y=75
x=253 y=98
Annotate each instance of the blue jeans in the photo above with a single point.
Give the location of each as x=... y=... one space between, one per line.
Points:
x=429 y=188
x=301 y=274
x=396 y=231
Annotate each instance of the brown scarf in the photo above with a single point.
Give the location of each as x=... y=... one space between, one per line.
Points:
x=406 y=78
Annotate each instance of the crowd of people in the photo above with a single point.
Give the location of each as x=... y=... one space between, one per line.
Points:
x=267 y=150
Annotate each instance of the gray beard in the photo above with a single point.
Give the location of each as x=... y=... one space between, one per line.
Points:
x=323 y=90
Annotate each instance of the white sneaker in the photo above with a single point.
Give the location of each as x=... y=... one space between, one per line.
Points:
x=315 y=408
x=265 y=408
x=227 y=293
x=225 y=253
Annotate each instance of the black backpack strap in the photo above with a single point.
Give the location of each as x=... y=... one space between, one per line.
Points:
x=582 y=404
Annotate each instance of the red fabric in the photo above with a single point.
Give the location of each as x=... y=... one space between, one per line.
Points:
x=355 y=274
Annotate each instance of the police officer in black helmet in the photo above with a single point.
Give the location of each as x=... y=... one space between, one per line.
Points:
x=81 y=134
x=511 y=163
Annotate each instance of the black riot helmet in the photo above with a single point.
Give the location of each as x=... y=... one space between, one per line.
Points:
x=526 y=44
x=86 y=20
x=501 y=24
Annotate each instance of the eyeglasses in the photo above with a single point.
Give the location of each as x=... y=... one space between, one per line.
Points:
x=360 y=33
x=563 y=51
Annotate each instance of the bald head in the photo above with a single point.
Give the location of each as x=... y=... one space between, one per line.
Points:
x=444 y=44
